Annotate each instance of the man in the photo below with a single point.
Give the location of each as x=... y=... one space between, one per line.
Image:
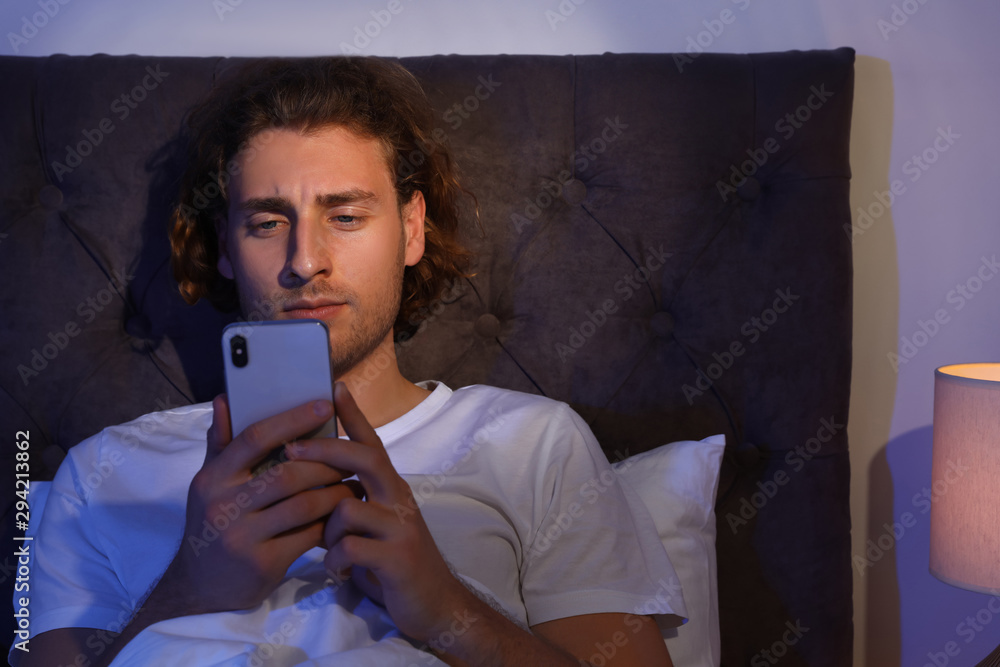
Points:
x=303 y=200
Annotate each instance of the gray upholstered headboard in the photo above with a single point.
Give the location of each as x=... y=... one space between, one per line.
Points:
x=663 y=247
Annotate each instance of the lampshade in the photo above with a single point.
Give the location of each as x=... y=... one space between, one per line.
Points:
x=965 y=477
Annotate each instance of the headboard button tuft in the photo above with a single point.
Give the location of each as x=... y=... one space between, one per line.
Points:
x=574 y=192
x=487 y=325
x=50 y=197
x=138 y=326
x=662 y=323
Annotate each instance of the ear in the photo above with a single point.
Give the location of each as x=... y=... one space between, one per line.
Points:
x=414 y=215
x=225 y=264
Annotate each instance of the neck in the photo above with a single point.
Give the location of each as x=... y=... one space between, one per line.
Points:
x=379 y=389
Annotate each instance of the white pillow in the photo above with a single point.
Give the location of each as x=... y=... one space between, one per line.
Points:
x=678 y=482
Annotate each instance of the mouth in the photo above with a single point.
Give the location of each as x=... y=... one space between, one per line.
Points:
x=317 y=310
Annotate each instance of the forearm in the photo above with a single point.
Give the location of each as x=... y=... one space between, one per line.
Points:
x=480 y=636
x=161 y=603
x=91 y=646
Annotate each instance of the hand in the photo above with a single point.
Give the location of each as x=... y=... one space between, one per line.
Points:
x=243 y=532
x=384 y=538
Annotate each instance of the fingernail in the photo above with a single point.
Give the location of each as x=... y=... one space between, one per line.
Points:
x=321 y=408
x=293 y=449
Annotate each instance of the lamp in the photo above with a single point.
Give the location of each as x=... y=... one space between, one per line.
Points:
x=965 y=479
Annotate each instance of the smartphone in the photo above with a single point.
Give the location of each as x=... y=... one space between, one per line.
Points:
x=274 y=366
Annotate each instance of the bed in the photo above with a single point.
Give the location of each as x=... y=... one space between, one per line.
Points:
x=665 y=245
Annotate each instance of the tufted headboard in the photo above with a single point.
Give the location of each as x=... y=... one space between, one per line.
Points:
x=662 y=246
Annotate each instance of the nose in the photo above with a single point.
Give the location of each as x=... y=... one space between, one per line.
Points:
x=308 y=256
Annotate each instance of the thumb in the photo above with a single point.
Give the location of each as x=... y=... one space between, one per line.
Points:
x=220 y=432
x=369 y=584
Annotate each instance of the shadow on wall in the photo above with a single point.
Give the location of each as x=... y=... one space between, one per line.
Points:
x=876 y=326
x=915 y=619
x=875 y=563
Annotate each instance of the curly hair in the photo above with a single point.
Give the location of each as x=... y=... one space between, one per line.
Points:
x=377 y=99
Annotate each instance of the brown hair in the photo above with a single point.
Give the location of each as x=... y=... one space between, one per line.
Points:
x=375 y=98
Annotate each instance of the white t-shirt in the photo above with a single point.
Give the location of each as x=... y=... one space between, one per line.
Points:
x=514 y=488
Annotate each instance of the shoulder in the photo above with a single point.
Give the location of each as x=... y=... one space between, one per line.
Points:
x=185 y=422
x=147 y=462
x=166 y=432
x=508 y=401
x=500 y=429
x=548 y=422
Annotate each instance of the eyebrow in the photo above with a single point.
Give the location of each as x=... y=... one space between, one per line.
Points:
x=329 y=200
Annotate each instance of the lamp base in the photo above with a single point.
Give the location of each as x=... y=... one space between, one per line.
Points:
x=992 y=660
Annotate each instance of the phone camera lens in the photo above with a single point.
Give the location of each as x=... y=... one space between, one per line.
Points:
x=238 y=349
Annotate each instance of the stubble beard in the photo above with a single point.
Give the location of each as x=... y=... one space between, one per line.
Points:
x=370 y=327
x=371 y=324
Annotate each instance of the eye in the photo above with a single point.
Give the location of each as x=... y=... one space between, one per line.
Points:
x=347 y=220
x=264 y=227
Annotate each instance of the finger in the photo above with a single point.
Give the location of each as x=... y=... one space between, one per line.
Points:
x=259 y=439
x=356 y=517
x=337 y=563
x=321 y=450
x=350 y=551
x=301 y=510
x=220 y=432
x=352 y=419
x=287 y=479
x=363 y=453
x=356 y=487
x=292 y=543
x=369 y=584
x=284 y=548
x=381 y=482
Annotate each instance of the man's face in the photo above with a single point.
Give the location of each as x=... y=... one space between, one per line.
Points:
x=314 y=231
